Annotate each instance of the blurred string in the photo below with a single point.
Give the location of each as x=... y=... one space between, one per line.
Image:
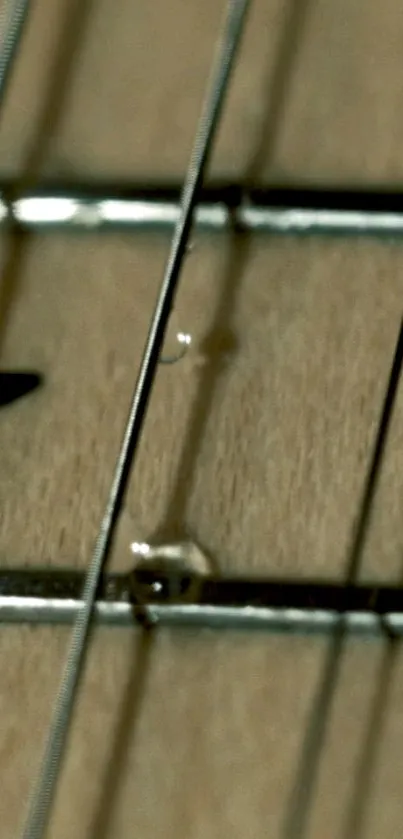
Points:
x=300 y=803
x=13 y=18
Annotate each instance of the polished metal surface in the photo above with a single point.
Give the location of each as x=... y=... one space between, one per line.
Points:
x=50 y=597
x=105 y=207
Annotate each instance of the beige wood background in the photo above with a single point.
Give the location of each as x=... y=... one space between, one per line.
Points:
x=257 y=443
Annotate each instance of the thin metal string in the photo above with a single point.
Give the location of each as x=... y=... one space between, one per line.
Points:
x=44 y=791
x=13 y=17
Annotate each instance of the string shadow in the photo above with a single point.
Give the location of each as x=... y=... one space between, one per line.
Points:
x=221 y=341
x=277 y=86
x=357 y=812
x=301 y=798
x=71 y=35
x=128 y=714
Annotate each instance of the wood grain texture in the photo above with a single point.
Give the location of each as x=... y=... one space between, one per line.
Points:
x=101 y=89
x=257 y=443
x=202 y=735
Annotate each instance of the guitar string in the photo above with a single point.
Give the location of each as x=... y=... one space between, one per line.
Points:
x=40 y=806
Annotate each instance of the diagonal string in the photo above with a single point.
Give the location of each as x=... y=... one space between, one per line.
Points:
x=300 y=803
x=45 y=789
x=13 y=17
